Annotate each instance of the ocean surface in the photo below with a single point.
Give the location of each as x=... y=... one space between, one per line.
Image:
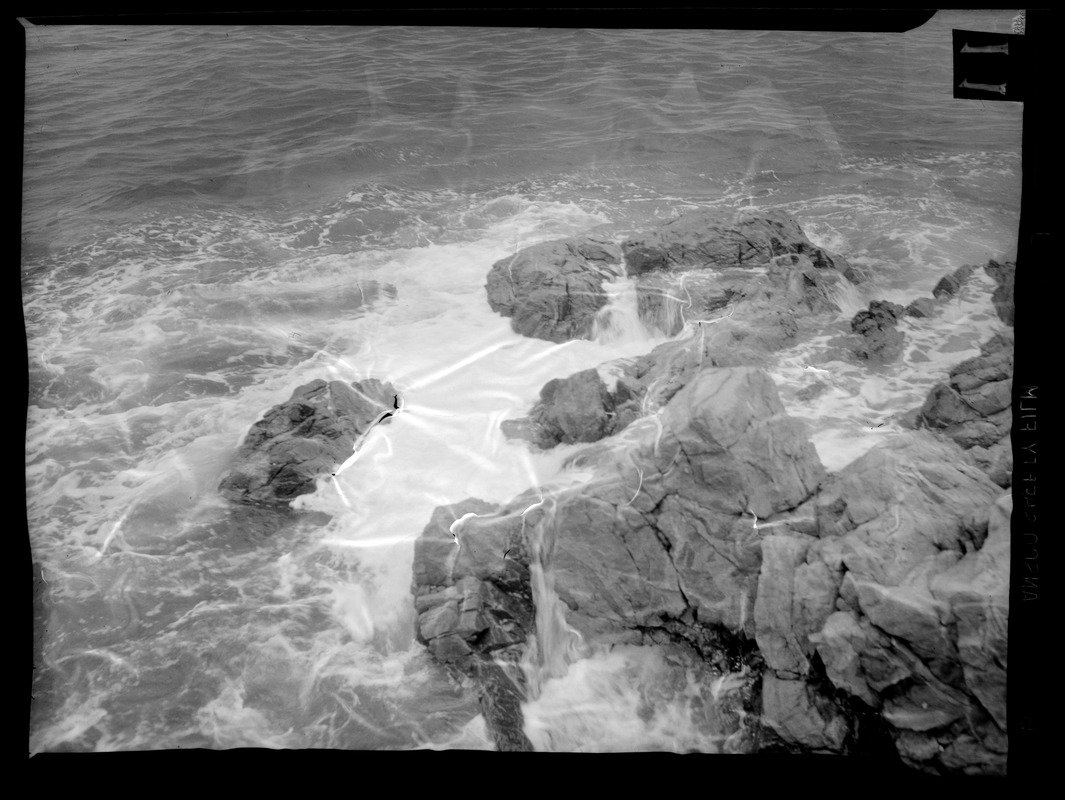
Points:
x=214 y=216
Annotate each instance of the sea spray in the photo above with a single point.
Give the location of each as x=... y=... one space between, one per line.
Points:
x=556 y=644
x=848 y=297
x=619 y=320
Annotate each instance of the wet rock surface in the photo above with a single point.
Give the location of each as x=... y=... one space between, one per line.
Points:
x=306 y=437
x=950 y=285
x=553 y=290
x=858 y=593
x=864 y=611
x=685 y=269
x=474 y=604
x=719 y=240
x=1003 y=275
x=879 y=342
x=974 y=408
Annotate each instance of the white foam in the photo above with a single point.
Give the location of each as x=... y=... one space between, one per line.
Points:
x=629 y=699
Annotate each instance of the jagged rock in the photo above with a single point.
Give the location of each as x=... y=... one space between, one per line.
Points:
x=663 y=531
x=840 y=644
x=717 y=239
x=304 y=438
x=976 y=590
x=788 y=711
x=686 y=269
x=579 y=408
x=901 y=503
x=879 y=340
x=773 y=608
x=996 y=461
x=501 y=701
x=474 y=602
x=1002 y=298
x=921 y=307
x=805 y=284
x=949 y=285
x=667 y=301
x=920 y=630
x=574 y=409
x=553 y=290
x=975 y=406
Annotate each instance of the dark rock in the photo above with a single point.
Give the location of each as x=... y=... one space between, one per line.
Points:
x=976 y=589
x=501 y=701
x=773 y=608
x=920 y=626
x=805 y=284
x=579 y=408
x=665 y=531
x=668 y=301
x=474 y=602
x=921 y=307
x=974 y=408
x=1003 y=296
x=304 y=438
x=880 y=342
x=687 y=269
x=792 y=714
x=950 y=285
x=724 y=240
x=553 y=290
x=574 y=409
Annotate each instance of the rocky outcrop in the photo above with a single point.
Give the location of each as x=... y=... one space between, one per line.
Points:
x=578 y=408
x=658 y=542
x=716 y=239
x=696 y=265
x=974 y=408
x=667 y=529
x=686 y=270
x=921 y=307
x=474 y=604
x=917 y=542
x=581 y=408
x=553 y=290
x=1003 y=275
x=879 y=341
x=304 y=438
x=869 y=606
x=864 y=596
x=950 y=285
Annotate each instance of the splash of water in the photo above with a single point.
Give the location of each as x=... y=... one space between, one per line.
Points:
x=619 y=320
x=848 y=297
x=556 y=644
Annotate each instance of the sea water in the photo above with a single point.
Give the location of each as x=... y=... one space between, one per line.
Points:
x=215 y=216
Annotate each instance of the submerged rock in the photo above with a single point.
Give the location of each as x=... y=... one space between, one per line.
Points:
x=304 y=438
x=553 y=290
